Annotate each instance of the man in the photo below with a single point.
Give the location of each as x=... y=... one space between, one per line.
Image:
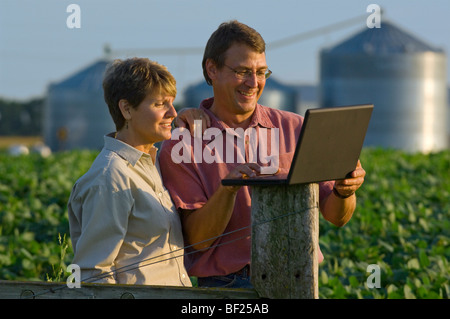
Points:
x=216 y=218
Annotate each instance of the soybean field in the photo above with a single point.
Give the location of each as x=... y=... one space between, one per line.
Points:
x=401 y=225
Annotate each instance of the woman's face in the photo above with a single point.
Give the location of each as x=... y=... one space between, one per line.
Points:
x=151 y=120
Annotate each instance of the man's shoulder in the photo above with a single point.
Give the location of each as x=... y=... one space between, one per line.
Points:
x=175 y=146
x=275 y=111
x=167 y=145
x=277 y=116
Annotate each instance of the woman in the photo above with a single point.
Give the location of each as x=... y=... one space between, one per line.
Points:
x=123 y=224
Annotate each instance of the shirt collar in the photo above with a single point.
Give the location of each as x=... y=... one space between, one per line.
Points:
x=259 y=117
x=127 y=152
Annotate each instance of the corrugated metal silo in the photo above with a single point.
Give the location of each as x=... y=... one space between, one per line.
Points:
x=275 y=95
x=404 y=77
x=279 y=96
x=306 y=97
x=195 y=93
x=76 y=115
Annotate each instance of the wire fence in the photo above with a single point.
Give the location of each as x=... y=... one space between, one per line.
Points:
x=151 y=261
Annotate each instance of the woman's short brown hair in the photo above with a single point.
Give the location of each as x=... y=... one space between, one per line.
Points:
x=132 y=79
x=226 y=35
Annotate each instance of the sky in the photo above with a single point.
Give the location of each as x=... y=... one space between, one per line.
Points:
x=38 y=48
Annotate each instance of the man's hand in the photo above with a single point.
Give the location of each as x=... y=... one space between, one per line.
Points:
x=347 y=187
x=187 y=116
x=242 y=171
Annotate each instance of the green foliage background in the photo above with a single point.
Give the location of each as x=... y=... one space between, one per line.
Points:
x=401 y=224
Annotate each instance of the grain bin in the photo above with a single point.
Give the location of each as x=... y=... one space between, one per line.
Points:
x=404 y=77
x=275 y=95
x=195 y=93
x=307 y=97
x=76 y=115
x=278 y=95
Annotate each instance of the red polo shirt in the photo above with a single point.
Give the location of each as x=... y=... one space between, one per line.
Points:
x=192 y=182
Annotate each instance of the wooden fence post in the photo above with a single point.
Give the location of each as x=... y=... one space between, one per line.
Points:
x=284 y=251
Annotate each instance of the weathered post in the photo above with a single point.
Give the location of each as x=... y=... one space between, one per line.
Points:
x=284 y=251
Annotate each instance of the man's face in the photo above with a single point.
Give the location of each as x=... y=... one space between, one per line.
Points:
x=234 y=93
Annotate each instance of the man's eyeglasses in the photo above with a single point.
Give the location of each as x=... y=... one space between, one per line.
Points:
x=245 y=74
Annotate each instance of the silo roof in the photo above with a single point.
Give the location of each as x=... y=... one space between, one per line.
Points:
x=388 y=39
x=87 y=79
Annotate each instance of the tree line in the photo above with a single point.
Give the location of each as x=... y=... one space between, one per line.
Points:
x=21 y=118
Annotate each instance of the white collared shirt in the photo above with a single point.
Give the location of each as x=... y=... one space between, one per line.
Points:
x=121 y=215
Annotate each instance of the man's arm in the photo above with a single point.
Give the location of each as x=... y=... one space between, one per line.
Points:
x=341 y=203
x=210 y=221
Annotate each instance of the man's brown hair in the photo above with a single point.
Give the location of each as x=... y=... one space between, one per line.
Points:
x=224 y=37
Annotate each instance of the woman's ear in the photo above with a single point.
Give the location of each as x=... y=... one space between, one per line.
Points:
x=124 y=107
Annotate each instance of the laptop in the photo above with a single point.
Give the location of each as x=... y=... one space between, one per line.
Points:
x=328 y=147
